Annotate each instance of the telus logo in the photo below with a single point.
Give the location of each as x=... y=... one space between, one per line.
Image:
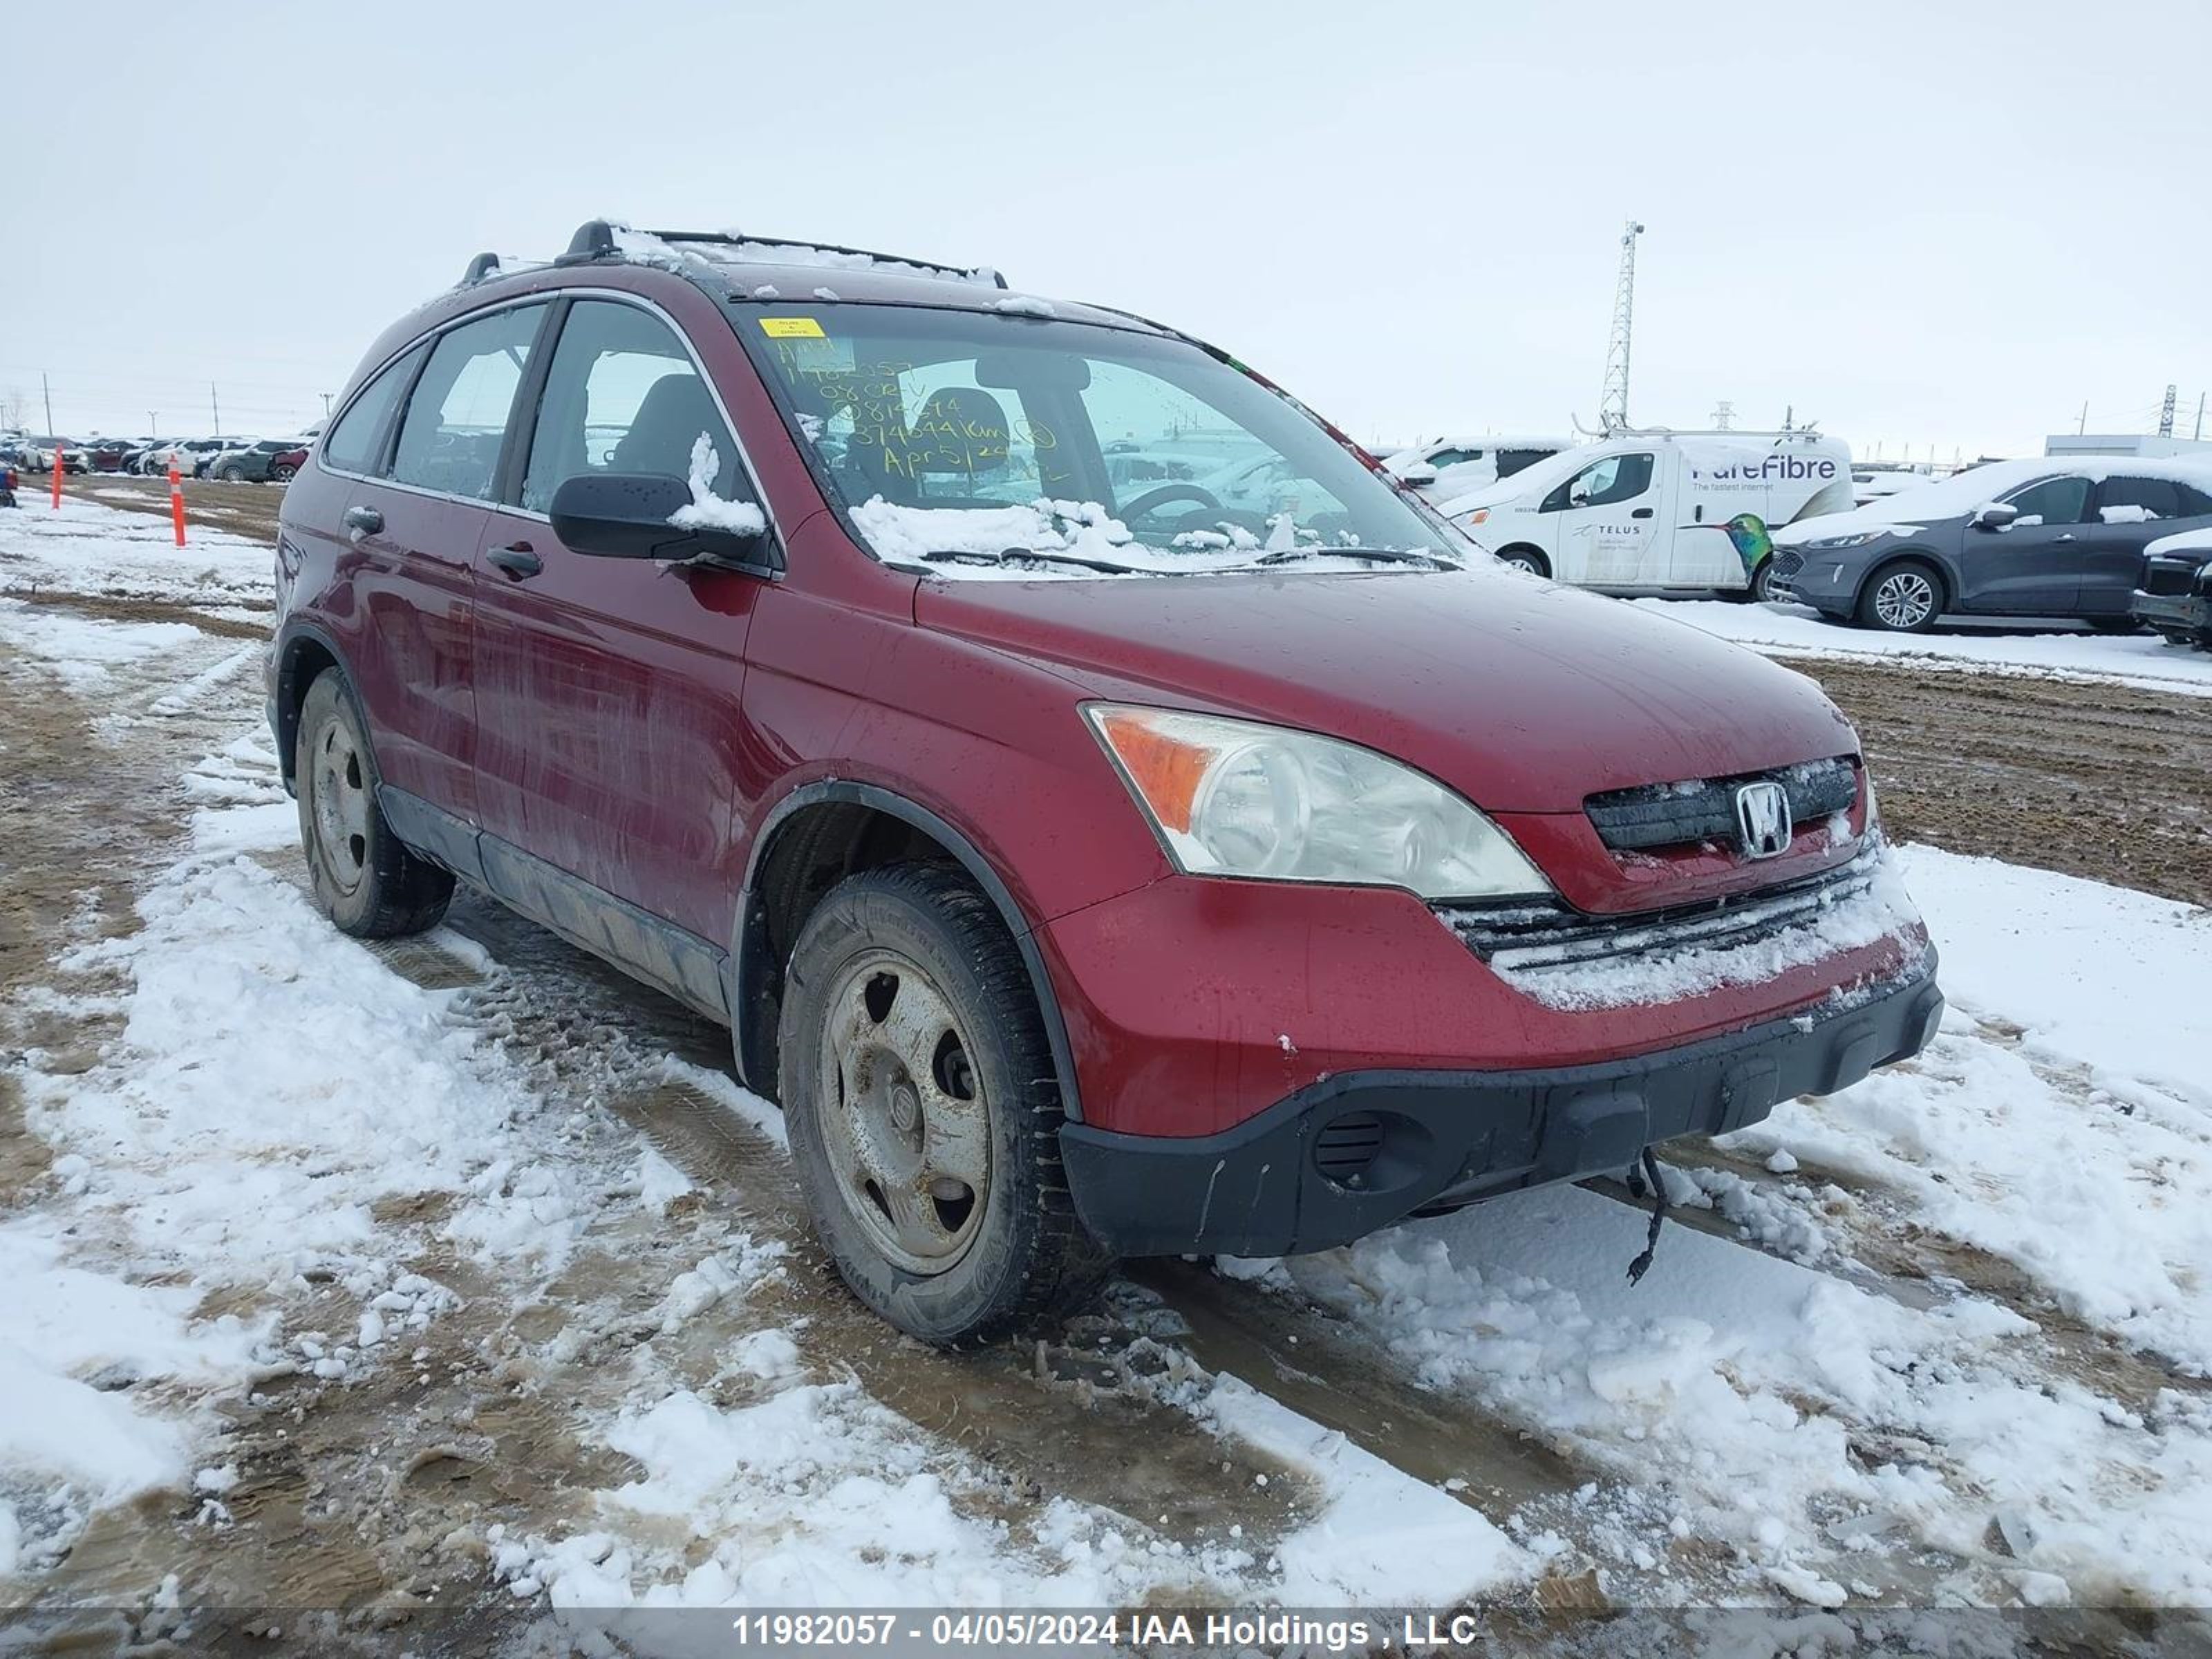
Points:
x=1777 y=466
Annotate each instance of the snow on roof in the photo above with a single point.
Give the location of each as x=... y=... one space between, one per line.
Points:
x=674 y=253
x=1963 y=492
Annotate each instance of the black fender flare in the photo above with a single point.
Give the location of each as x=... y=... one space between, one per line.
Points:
x=749 y=960
x=285 y=692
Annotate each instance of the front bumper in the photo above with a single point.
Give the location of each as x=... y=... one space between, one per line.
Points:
x=2174 y=613
x=1360 y=1150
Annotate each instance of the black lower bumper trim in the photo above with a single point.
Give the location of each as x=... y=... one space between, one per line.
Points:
x=1360 y=1150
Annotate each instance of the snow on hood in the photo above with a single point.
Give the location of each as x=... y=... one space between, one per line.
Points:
x=1961 y=493
x=2184 y=541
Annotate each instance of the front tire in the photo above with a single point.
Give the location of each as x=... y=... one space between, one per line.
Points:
x=283 y=471
x=1904 y=597
x=924 y=1111
x=231 y=474
x=1528 y=559
x=365 y=878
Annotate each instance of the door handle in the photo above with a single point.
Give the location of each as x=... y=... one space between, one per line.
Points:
x=517 y=560
x=1641 y=513
x=363 y=521
x=2068 y=537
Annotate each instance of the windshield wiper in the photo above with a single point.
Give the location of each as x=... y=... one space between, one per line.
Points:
x=1105 y=566
x=1372 y=554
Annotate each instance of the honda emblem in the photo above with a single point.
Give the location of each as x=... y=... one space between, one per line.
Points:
x=1762 y=819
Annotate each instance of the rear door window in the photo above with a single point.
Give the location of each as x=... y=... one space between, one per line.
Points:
x=2138 y=499
x=457 y=419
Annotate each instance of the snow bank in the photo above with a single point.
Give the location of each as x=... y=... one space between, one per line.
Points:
x=88 y=547
x=2140 y=660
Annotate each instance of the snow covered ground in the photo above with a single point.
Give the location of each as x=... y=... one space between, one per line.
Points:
x=1942 y=1339
x=1796 y=630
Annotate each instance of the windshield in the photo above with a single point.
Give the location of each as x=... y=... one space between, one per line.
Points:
x=974 y=437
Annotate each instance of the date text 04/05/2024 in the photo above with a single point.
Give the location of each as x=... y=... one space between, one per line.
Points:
x=999 y=1628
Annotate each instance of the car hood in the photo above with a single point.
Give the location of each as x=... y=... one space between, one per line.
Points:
x=1523 y=695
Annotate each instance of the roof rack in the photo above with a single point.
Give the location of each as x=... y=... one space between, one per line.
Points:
x=479 y=268
x=595 y=240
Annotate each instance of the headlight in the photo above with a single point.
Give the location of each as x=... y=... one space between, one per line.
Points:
x=1235 y=798
x=1859 y=540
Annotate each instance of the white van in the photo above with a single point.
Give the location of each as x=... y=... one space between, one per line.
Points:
x=1451 y=467
x=1659 y=511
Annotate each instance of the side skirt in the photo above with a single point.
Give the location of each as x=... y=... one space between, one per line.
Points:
x=647 y=947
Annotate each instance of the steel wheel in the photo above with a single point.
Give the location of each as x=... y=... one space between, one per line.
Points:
x=341 y=798
x=908 y=1131
x=1904 y=600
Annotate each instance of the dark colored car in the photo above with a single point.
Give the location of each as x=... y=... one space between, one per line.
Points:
x=2013 y=538
x=2176 y=595
x=108 y=454
x=1089 y=870
x=271 y=459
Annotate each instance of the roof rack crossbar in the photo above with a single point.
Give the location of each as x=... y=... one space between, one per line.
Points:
x=479 y=268
x=595 y=240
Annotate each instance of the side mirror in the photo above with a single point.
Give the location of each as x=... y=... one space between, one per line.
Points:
x=1418 y=477
x=1580 y=498
x=1996 y=515
x=632 y=515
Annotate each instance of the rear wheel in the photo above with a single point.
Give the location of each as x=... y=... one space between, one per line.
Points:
x=231 y=472
x=283 y=471
x=365 y=879
x=924 y=1110
x=1527 y=558
x=1906 y=598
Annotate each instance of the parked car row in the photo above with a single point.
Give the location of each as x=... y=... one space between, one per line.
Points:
x=233 y=460
x=1789 y=517
x=2037 y=538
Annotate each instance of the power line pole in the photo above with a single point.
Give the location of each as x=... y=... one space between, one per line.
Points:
x=215 y=404
x=326 y=407
x=1724 y=413
x=46 y=396
x=1612 y=401
x=2082 y=425
x=2200 y=416
x=153 y=422
x=2166 y=414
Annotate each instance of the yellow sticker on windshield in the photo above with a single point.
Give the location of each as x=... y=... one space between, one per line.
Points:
x=792 y=328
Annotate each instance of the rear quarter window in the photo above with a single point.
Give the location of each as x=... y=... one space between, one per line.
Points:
x=356 y=444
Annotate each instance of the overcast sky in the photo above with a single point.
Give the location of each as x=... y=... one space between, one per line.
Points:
x=1950 y=226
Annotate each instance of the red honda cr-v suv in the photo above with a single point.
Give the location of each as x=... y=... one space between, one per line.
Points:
x=1096 y=856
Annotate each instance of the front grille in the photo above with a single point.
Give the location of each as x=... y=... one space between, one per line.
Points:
x=2168 y=576
x=1347 y=1145
x=1683 y=814
x=1788 y=561
x=1534 y=937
